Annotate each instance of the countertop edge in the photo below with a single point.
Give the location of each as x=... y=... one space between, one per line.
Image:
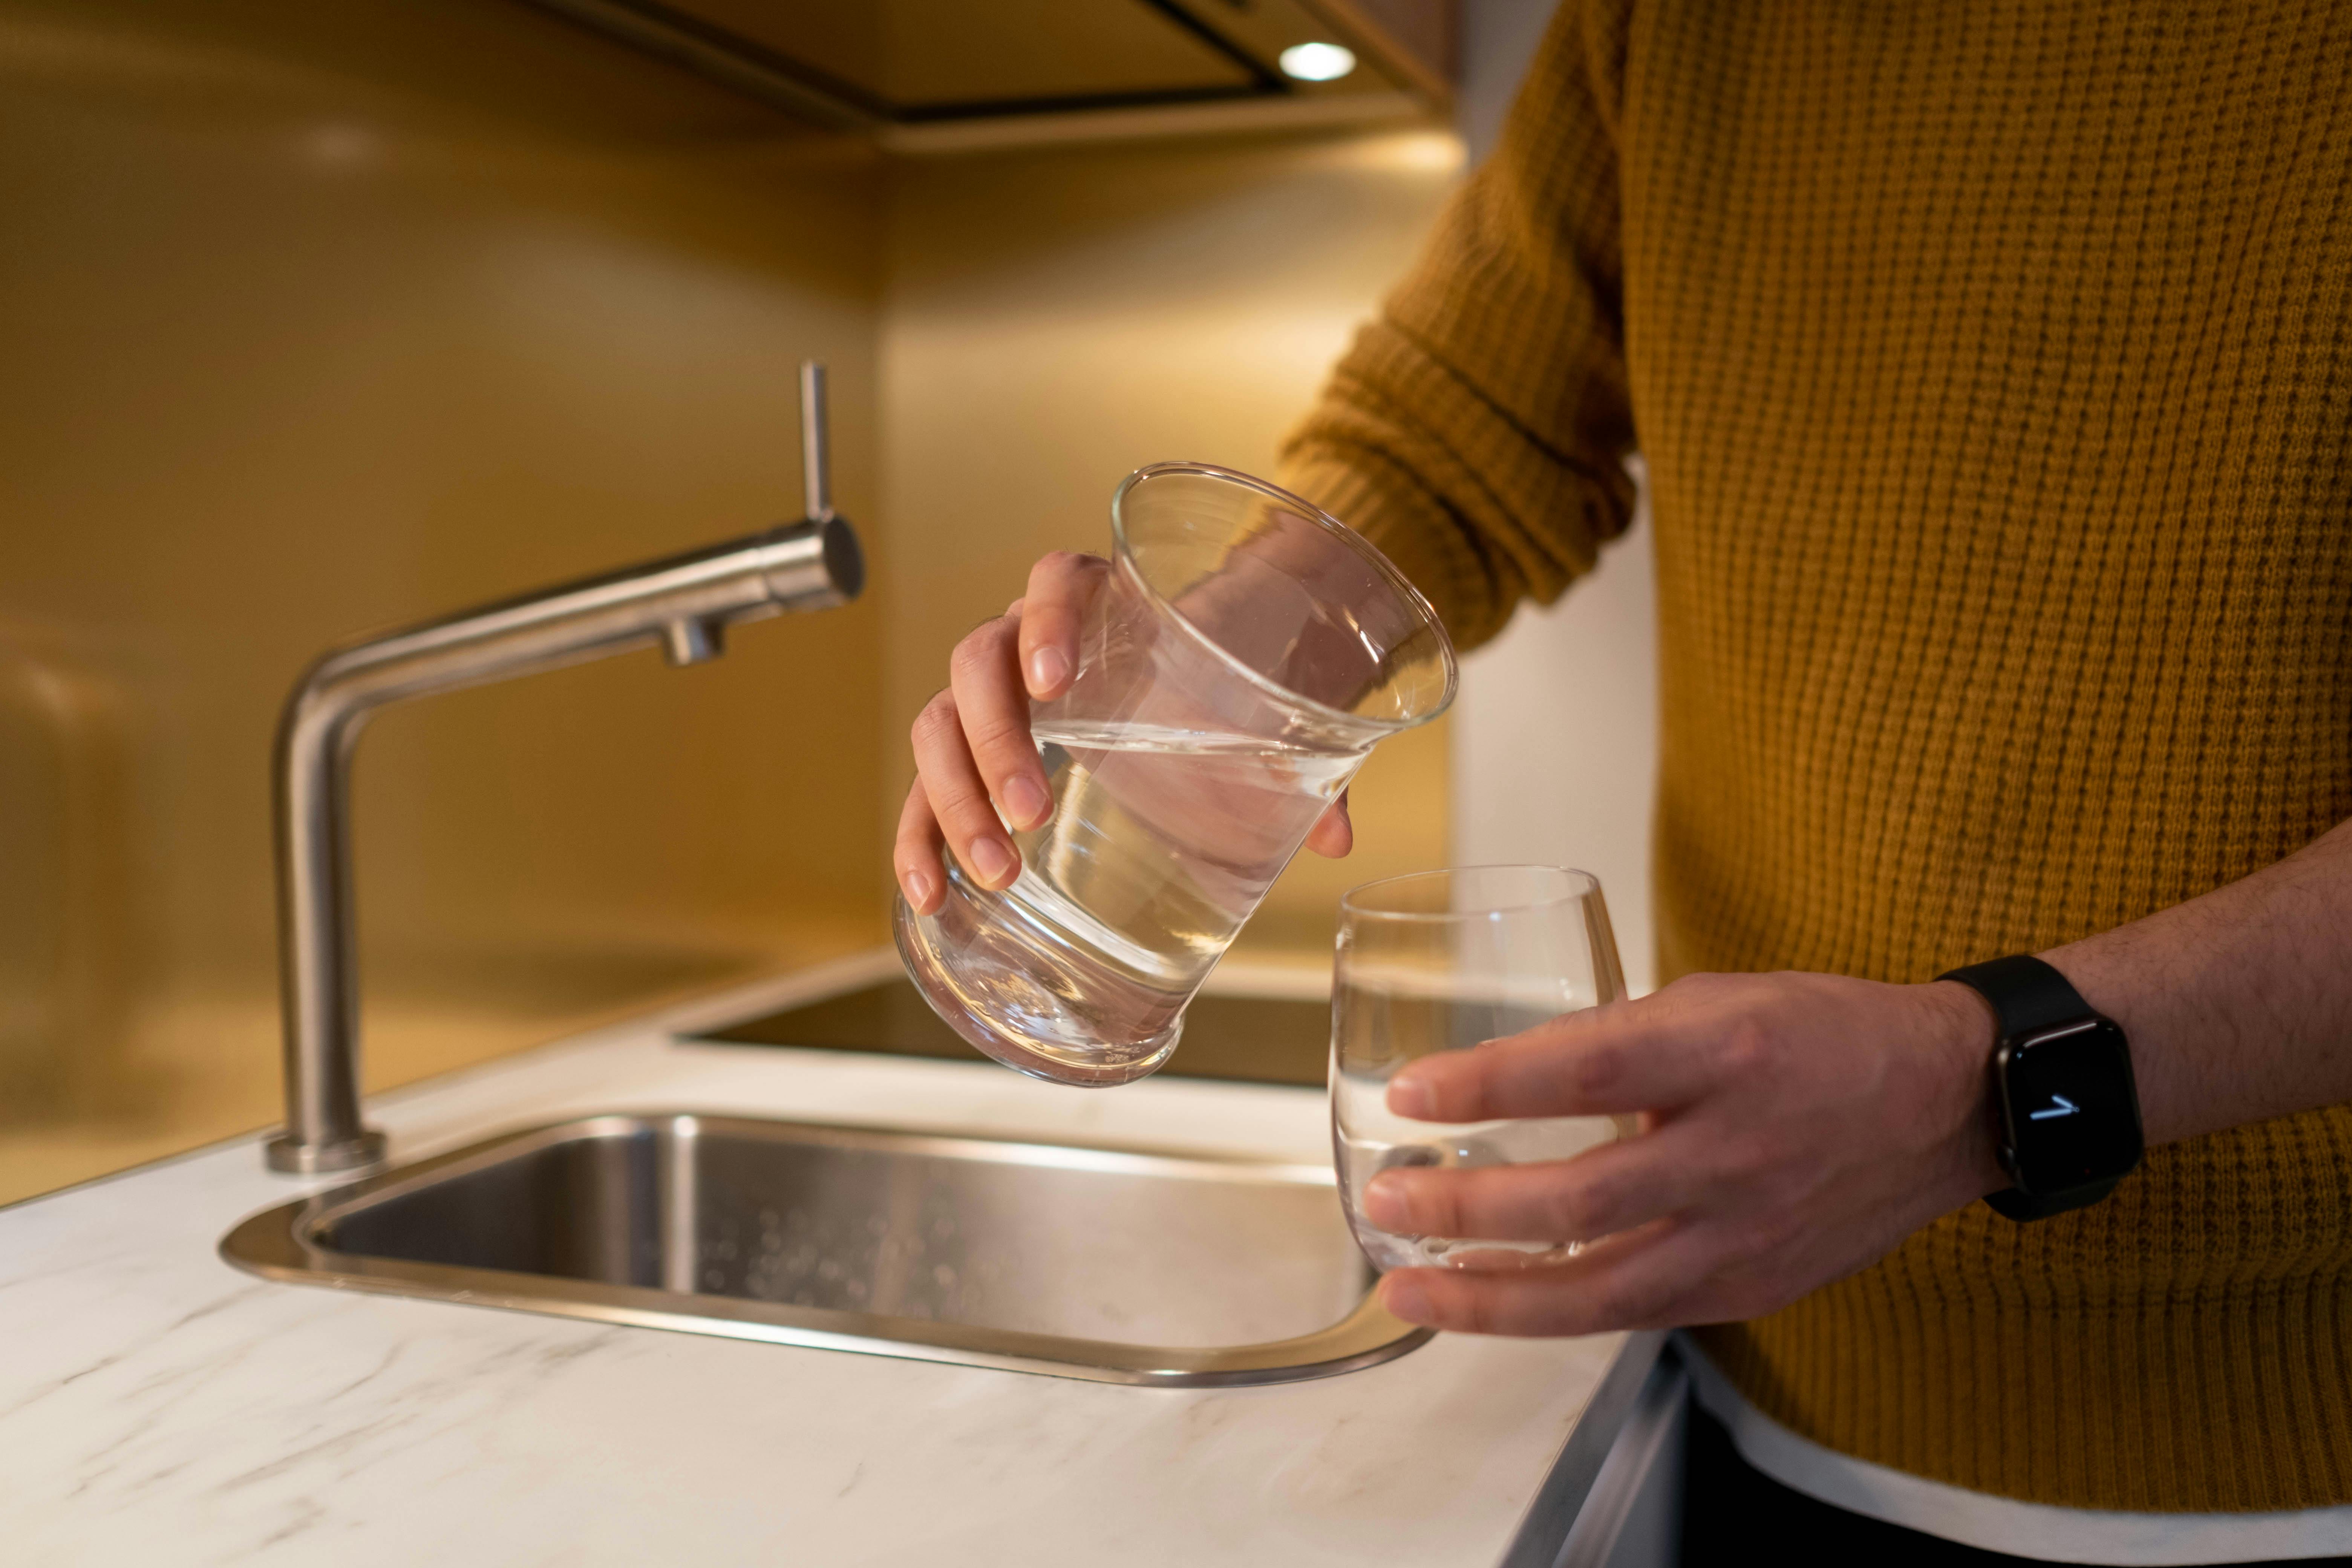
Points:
x=1552 y=1513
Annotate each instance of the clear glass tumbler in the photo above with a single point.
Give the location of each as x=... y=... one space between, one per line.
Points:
x=1443 y=961
x=1244 y=655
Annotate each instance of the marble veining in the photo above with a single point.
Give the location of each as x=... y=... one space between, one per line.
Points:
x=158 y=1406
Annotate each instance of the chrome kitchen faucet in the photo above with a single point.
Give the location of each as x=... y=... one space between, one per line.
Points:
x=683 y=603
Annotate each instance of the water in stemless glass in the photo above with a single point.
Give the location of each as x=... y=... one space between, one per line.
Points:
x=1244 y=656
x=1443 y=961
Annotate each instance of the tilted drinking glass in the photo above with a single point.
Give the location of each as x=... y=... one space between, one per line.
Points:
x=1244 y=654
x=1444 y=961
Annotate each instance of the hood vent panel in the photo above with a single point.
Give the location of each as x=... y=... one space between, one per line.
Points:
x=937 y=75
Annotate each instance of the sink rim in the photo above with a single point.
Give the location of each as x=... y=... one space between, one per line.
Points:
x=281 y=1244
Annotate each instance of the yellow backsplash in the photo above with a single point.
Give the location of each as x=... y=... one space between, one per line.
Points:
x=316 y=319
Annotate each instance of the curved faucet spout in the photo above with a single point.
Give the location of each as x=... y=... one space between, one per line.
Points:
x=682 y=603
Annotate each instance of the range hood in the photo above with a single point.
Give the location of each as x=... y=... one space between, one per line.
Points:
x=935 y=76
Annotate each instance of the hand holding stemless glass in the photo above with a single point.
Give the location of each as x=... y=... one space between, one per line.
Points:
x=1794 y=1128
x=1430 y=964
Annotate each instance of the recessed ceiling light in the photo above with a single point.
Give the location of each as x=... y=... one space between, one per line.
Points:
x=1318 y=62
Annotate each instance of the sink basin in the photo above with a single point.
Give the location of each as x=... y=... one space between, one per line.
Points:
x=1116 y=1264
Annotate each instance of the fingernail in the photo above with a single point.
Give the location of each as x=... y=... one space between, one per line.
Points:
x=918 y=887
x=1047 y=668
x=993 y=860
x=1410 y=1097
x=1387 y=1206
x=1026 y=801
x=1405 y=1298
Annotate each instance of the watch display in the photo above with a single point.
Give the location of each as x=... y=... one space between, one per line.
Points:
x=2070 y=1112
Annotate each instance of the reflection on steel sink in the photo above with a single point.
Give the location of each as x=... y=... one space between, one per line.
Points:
x=1117 y=1265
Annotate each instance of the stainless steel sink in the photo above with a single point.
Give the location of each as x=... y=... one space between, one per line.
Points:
x=1117 y=1265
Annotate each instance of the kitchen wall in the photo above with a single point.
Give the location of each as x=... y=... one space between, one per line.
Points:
x=319 y=318
x=1058 y=317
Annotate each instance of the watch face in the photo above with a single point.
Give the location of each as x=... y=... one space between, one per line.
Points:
x=2072 y=1113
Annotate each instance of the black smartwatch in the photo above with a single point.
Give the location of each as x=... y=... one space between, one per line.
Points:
x=2066 y=1110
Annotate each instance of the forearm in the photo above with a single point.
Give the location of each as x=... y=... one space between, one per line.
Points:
x=2238 y=1004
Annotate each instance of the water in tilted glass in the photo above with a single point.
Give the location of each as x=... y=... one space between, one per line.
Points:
x=1244 y=656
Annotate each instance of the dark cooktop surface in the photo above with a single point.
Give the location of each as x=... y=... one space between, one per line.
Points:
x=1242 y=1039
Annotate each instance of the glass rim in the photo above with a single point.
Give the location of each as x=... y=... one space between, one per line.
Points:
x=1580 y=885
x=1348 y=536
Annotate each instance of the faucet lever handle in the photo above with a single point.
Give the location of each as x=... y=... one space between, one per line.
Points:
x=816 y=464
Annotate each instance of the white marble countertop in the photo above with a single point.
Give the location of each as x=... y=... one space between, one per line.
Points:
x=159 y=1406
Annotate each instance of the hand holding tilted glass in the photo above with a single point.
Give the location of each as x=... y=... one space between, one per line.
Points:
x=1238 y=660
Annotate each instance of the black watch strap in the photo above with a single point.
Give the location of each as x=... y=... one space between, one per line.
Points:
x=2012 y=1204
x=2028 y=996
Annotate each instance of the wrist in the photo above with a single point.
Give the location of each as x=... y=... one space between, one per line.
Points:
x=1961 y=1030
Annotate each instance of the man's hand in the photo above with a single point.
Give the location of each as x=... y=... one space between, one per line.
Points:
x=977 y=767
x=1794 y=1129
x=1796 y=1126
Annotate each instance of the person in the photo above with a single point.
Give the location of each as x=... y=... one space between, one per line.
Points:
x=1992 y=366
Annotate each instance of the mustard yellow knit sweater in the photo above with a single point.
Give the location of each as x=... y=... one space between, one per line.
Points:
x=1993 y=368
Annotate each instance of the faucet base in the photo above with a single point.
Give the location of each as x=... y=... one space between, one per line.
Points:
x=291 y=1156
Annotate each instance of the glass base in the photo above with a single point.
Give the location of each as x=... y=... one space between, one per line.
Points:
x=978 y=992
x=1385 y=1251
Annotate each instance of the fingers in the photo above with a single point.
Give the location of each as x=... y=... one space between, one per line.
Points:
x=957 y=798
x=1602 y=1192
x=993 y=711
x=1334 y=834
x=1059 y=587
x=1624 y=1058
x=1650 y=1278
x=922 y=875
x=1802 y=1126
x=978 y=766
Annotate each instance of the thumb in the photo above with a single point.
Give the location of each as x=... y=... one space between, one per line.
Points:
x=1333 y=833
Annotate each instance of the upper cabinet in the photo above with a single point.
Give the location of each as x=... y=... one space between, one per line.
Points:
x=937 y=75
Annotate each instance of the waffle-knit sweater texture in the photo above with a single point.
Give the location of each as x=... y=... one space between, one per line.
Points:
x=1992 y=363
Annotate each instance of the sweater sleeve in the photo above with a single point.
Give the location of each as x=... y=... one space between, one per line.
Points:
x=1476 y=430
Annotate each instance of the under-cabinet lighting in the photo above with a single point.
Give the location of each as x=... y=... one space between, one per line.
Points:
x=1317 y=62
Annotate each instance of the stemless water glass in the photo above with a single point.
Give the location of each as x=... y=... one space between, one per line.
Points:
x=1443 y=960
x=1244 y=655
